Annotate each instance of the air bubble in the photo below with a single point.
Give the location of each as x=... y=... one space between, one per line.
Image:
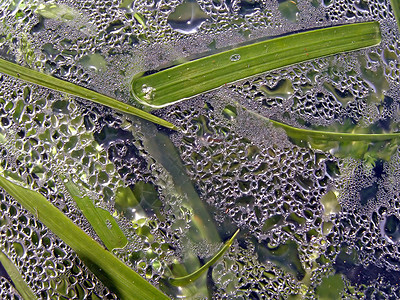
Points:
x=235 y=57
x=390 y=229
x=148 y=92
x=187 y=17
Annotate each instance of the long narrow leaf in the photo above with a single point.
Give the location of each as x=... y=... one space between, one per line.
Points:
x=308 y=134
x=114 y=274
x=101 y=220
x=396 y=10
x=305 y=134
x=19 y=283
x=185 y=280
x=53 y=83
x=188 y=79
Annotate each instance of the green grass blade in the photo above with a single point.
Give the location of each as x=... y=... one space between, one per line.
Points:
x=304 y=134
x=114 y=274
x=140 y=19
x=185 y=280
x=101 y=220
x=188 y=79
x=53 y=83
x=19 y=283
x=396 y=10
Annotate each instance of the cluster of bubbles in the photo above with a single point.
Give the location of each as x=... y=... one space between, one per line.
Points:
x=255 y=178
x=267 y=280
x=326 y=91
x=251 y=181
x=304 y=214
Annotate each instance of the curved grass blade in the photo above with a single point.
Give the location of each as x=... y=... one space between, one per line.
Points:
x=185 y=280
x=101 y=220
x=114 y=274
x=192 y=78
x=53 y=83
x=299 y=133
x=19 y=283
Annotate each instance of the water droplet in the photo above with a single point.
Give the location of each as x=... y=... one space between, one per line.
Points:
x=148 y=92
x=235 y=57
x=390 y=229
x=108 y=224
x=289 y=10
x=94 y=61
x=187 y=17
x=249 y=7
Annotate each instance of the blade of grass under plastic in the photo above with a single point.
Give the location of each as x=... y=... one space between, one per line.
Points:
x=299 y=133
x=53 y=83
x=114 y=274
x=396 y=10
x=308 y=134
x=112 y=236
x=19 y=283
x=195 y=77
x=184 y=280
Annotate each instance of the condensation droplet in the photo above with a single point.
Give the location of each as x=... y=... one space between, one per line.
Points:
x=148 y=92
x=187 y=17
x=108 y=224
x=235 y=57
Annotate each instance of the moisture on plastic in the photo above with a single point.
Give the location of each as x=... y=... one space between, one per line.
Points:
x=341 y=215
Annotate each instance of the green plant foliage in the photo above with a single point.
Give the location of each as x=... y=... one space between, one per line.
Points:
x=366 y=146
x=140 y=19
x=347 y=141
x=118 y=277
x=53 y=83
x=194 y=77
x=101 y=220
x=184 y=280
x=19 y=283
x=396 y=9
x=300 y=133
